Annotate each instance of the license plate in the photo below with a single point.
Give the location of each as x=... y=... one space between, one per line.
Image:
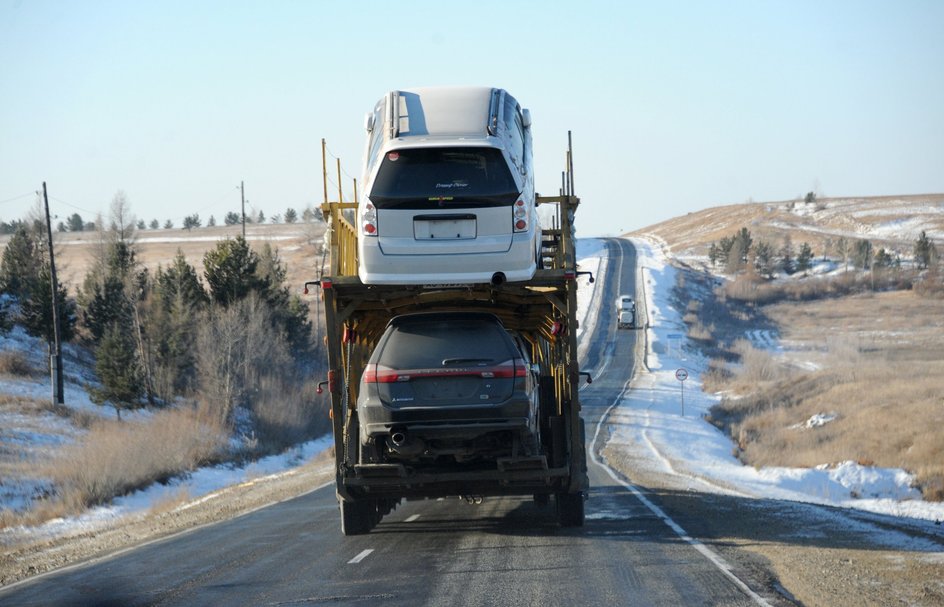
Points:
x=444 y=229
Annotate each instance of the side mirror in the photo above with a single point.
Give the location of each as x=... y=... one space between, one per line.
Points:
x=526 y=118
x=369 y=122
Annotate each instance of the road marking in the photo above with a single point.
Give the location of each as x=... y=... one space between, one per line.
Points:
x=707 y=552
x=412 y=518
x=360 y=557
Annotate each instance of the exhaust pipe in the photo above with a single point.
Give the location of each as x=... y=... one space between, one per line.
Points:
x=498 y=279
x=402 y=443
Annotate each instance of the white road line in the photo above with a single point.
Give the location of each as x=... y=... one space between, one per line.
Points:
x=360 y=557
x=412 y=518
x=707 y=552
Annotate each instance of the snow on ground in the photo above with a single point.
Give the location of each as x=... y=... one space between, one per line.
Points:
x=666 y=427
x=201 y=485
x=46 y=431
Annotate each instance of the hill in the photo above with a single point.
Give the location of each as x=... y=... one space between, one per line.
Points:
x=860 y=351
x=892 y=222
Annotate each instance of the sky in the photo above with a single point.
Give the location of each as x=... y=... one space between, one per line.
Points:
x=674 y=106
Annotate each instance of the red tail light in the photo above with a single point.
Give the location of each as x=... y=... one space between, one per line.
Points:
x=510 y=368
x=369 y=220
x=520 y=216
x=379 y=374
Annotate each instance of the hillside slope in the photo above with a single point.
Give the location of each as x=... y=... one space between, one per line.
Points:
x=892 y=222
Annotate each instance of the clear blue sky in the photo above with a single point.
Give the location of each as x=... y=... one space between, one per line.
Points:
x=674 y=106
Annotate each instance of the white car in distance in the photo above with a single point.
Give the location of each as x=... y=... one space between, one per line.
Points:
x=449 y=189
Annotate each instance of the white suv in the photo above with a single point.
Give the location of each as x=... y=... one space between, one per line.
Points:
x=449 y=189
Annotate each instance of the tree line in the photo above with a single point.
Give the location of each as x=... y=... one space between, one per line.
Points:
x=161 y=336
x=739 y=252
x=75 y=222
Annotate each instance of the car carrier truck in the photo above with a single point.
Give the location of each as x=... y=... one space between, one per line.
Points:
x=541 y=315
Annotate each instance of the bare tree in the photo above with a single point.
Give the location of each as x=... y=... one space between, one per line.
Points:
x=122 y=220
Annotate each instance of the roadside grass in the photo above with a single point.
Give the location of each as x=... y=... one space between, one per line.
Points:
x=874 y=361
x=14 y=363
x=114 y=458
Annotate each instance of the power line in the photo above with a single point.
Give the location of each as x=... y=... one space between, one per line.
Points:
x=15 y=198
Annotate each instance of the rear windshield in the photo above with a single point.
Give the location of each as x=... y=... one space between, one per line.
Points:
x=446 y=343
x=442 y=177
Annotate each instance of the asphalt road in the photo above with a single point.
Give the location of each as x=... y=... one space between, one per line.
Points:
x=507 y=551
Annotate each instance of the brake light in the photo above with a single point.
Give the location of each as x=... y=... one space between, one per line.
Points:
x=520 y=216
x=380 y=374
x=369 y=220
x=510 y=368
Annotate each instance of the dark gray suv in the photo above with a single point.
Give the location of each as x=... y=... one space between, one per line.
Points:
x=447 y=387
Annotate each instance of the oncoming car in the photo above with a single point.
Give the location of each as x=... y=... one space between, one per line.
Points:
x=449 y=189
x=447 y=388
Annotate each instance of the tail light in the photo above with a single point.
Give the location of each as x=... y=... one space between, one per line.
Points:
x=380 y=374
x=369 y=220
x=520 y=216
x=510 y=368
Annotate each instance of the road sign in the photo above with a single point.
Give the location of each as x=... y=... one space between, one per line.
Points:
x=682 y=375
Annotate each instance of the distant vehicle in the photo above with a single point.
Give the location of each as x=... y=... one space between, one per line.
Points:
x=447 y=387
x=625 y=312
x=625 y=302
x=626 y=319
x=449 y=189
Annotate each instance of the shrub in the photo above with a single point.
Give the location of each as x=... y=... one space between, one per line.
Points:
x=15 y=363
x=115 y=458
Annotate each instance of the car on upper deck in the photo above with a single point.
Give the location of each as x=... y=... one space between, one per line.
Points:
x=449 y=189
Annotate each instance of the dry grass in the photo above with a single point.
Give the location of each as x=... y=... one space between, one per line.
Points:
x=14 y=363
x=114 y=458
x=287 y=413
x=881 y=373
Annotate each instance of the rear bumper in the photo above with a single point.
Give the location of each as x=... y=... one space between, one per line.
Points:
x=378 y=420
x=517 y=264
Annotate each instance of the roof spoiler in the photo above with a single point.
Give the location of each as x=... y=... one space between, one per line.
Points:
x=393 y=113
x=494 y=112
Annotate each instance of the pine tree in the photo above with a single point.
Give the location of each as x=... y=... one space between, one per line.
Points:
x=786 y=256
x=764 y=259
x=805 y=258
x=230 y=271
x=924 y=251
x=118 y=369
x=862 y=254
x=291 y=216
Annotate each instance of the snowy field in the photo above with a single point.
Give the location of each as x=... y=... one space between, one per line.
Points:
x=648 y=420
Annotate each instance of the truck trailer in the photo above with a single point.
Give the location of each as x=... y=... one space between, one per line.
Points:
x=372 y=474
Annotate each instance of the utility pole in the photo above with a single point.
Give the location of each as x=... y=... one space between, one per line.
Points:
x=242 y=194
x=55 y=356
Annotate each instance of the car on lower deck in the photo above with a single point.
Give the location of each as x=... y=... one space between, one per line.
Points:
x=447 y=388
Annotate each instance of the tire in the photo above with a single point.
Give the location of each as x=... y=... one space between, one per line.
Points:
x=357 y=516
x=570 y=509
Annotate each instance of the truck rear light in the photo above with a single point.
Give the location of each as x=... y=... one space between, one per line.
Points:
x=332 y=382
x=520 y=216
x=369 y=220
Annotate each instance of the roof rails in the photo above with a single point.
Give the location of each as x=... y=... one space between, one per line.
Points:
x=393 y=113
x=494 y=112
